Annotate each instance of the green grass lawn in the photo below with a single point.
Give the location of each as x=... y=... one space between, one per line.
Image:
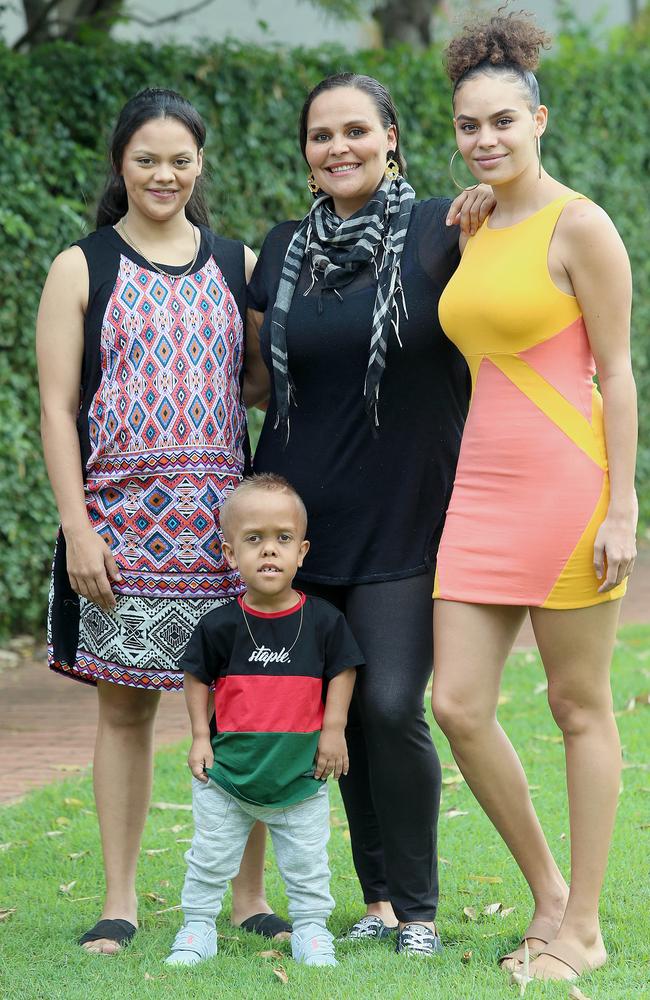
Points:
x=50 y=875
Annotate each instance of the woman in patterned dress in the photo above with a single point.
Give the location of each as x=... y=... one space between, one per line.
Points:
x=144 y=431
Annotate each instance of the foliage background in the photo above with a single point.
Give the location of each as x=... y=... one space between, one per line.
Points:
x=56 y=107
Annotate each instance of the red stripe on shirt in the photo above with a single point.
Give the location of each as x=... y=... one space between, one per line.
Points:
x=258 y=704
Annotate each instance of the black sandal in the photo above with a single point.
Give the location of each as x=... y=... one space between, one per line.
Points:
x=266 y=924
x=120 y=931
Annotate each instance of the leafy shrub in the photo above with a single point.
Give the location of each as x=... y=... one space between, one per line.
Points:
x=56 y=108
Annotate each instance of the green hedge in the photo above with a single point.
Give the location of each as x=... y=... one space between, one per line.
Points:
x=56 y=106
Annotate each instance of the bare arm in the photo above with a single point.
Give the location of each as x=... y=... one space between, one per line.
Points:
x=59 y=350
x=332 y=754
x=256 y=374
x=599 y=269
x=257 y=382
x=197 y=696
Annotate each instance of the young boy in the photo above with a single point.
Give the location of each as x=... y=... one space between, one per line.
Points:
x=284 y=670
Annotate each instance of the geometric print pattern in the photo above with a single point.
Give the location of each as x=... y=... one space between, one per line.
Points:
x=139 y=643
x=166 y=428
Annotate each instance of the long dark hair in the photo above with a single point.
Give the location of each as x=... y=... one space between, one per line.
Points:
x=145 y=106
x=373 y=88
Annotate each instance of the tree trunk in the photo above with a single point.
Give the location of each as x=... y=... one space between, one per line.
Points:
x=406 y=21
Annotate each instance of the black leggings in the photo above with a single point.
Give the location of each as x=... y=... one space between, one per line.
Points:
x=392 y=793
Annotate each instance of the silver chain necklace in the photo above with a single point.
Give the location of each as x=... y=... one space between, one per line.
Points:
x=156 y=267
x=243 y=611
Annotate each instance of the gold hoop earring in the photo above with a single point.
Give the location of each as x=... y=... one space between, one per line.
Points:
x=311 y=183
x=538 y=144
x=392 y=167
x=462 y=187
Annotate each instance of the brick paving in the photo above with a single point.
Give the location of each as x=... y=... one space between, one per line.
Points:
x=47 y=722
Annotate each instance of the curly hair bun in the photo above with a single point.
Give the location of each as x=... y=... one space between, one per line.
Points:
x=503 y=40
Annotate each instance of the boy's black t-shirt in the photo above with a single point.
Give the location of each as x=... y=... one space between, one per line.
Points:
x=269 y=693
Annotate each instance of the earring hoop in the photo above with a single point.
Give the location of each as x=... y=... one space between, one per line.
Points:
x=461 y=187
x=392 y=167
x=311 y=183
x=538 y=146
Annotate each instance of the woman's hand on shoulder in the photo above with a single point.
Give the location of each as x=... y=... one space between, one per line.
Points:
x=471 y=208
x=91 y=566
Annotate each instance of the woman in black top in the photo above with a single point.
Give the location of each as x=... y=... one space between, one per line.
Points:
x=365 y=418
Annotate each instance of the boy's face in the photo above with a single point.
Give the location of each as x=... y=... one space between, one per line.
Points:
x=266 y=544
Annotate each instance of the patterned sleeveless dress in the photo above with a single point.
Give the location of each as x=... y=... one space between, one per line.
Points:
x=163 y=438
x=532 y=486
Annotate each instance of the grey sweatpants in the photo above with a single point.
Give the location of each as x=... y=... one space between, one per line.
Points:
x=221 y=827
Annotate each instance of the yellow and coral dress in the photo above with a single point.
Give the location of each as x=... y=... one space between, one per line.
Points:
x=532 y=485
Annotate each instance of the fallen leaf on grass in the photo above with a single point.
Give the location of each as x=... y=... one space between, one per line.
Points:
x=453 y=813
x=639 y=701
x=72 y=802
x=450 y=767
x=82 y=899
x=444 y=861
x=169 y=909
x=156 y=850
x=466 y=957
x=346 y=834
x=470 y=913
x=504 y=698
x=487 y=879
x=456 y=779
x=645 y=826
x=62 y=821
x=183 y=840
x=273 y=953
x=78 y=854
x=628 y=765
x=5 y=847
x=186 y=806
x=547 y=739
x=281 y=974
x=176 y=828
x=492 y=908
x=576 y=994
x=154 y=897
x=65 y=887
x=541 y=688
x=54 y=833
x=151 y=979
x=508 y=910
x=5 y=914
x=563 y=836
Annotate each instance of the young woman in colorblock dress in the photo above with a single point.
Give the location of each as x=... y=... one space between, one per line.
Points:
x=543 y=510
x=144 y=432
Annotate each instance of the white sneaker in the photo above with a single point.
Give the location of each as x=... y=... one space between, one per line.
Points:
x=195 y=941
x=312 y=944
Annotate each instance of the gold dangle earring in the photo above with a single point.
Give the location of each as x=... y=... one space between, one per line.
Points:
x=311 y=183
x=391 y=171
x=538 y=145
x=451 y=174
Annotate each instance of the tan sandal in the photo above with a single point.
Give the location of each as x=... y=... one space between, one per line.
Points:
x=539 y=928
x=565 y=953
